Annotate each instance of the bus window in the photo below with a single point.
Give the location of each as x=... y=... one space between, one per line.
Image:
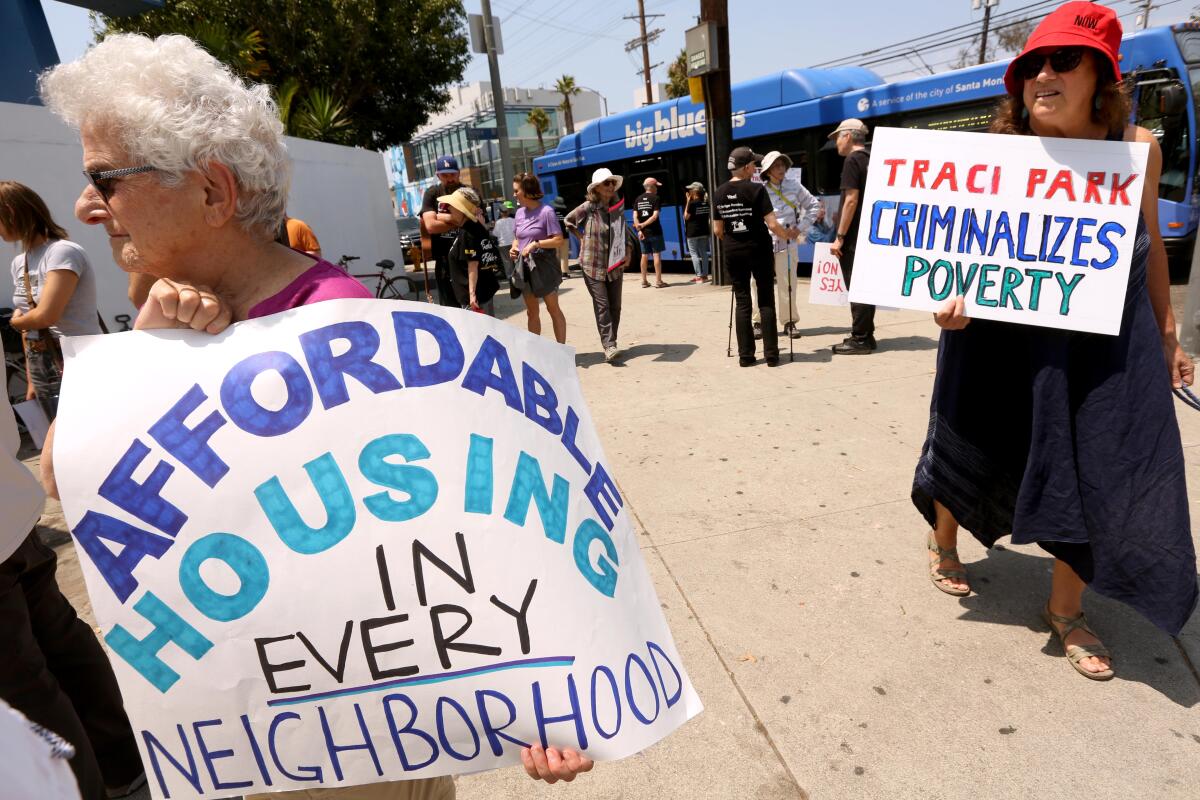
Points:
x=974 y=117
x=1159 y=112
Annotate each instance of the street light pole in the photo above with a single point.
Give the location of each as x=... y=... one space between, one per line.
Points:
x=489 y=38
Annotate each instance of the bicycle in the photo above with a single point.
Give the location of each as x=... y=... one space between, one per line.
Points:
x=386 y=287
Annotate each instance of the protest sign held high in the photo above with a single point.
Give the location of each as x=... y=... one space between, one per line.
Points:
x=1030 y=230
x=358 y=541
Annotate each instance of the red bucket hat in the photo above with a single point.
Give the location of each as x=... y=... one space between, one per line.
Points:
x=1074 y=24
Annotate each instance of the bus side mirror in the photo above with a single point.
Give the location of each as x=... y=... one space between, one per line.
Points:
x=1172 y=100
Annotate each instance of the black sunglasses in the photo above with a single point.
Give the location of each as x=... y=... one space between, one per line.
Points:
x=104 y=182
x=1062 y=60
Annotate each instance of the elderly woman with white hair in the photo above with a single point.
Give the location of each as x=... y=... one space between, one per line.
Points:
x=189 y=175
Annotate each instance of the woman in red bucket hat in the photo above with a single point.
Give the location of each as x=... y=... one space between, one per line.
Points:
x=1064 y=439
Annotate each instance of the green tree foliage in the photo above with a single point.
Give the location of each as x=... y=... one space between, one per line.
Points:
x=677 y=79
x=382 y=65
x=540 y=121
x=567 y=88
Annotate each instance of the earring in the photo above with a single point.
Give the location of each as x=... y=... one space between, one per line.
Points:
x=1096 y=104
x=1024 y=113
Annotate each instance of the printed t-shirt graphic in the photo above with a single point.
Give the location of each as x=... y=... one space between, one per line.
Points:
x=742 y=206
x=644 y=207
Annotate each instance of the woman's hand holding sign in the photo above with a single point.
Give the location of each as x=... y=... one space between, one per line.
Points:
x=172 y=304
x=552 y=765
x=952 y=315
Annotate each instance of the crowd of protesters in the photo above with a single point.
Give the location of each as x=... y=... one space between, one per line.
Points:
x=220 y=222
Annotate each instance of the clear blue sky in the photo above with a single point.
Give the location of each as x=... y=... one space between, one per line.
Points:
x=541 y=42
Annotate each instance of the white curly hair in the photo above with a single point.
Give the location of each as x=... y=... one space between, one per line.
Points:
x=175 y=107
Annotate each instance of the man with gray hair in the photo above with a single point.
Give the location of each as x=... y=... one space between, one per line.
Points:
x=851 y=138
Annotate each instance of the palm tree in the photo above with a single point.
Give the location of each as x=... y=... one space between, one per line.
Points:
x=540 y=121
x=567 y=88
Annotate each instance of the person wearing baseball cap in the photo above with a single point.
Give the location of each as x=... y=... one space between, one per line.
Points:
x=743 y=220
x=851 y=139
x=436 y=222
x=1065 y=440
x=697 y=230
x=646 y=223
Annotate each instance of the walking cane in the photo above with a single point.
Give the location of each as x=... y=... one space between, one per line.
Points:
x=729 y=345
x=791 y=321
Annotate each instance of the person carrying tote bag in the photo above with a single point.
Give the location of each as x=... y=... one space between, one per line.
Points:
x=55 y=289
x=537 y=274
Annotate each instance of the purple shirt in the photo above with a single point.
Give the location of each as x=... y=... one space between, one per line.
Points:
x=322 y=281
x=534 y=226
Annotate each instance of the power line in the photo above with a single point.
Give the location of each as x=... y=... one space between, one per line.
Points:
x=890 y=53
x=910 y=43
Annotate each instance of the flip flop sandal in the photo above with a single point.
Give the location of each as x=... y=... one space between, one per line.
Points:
x=1077 y=652
x=937 y=574
x=660 y=286
x=645 y=284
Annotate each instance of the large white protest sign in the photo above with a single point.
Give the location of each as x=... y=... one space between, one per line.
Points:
x=827 y=287
x=1032 y=230
x=354 y=542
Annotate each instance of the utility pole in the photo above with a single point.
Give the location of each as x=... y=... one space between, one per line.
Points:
x=718 y=116
x=489 y=38
x=1143 y=18
x=987 y=19
x=643 y=42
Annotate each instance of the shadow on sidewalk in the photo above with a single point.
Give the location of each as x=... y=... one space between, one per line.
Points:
x=663 y=352
x=822 y=355
x=906 y=343
x=826 y=330
x=1012 y=589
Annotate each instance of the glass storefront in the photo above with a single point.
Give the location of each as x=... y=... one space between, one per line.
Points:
x=481 y=155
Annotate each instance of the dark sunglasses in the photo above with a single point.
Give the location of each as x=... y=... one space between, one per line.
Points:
x=105 y=182
x=609 y=182
x=1062 y=60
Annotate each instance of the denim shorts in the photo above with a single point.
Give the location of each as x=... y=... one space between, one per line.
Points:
x=653 y=244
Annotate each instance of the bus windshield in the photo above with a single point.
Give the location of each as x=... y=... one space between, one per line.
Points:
x=1162 y=109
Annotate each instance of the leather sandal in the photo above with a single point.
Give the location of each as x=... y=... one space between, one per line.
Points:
x=937 y=574
x=1077 y=652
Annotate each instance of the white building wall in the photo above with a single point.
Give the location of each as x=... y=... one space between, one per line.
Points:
x=342 y=192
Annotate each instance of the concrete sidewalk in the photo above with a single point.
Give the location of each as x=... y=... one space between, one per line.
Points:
x=773 y=511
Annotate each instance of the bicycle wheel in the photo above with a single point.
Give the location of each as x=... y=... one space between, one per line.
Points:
x=389 y=290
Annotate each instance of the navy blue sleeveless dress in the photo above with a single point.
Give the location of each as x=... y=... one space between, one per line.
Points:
x=1068 y=440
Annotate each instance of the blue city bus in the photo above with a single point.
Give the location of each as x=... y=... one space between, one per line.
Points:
x=794 y=111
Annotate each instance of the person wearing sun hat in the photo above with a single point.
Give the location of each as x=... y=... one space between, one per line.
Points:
x=473 y=260
x=606 y=247
x=796 y=210
x=1067 y=440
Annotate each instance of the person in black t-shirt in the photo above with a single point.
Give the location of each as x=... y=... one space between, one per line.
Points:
x=437 y=225
x=473 y=261
x=696 y=228
x=646 y=211
x=743 y=219
x=851 y=138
